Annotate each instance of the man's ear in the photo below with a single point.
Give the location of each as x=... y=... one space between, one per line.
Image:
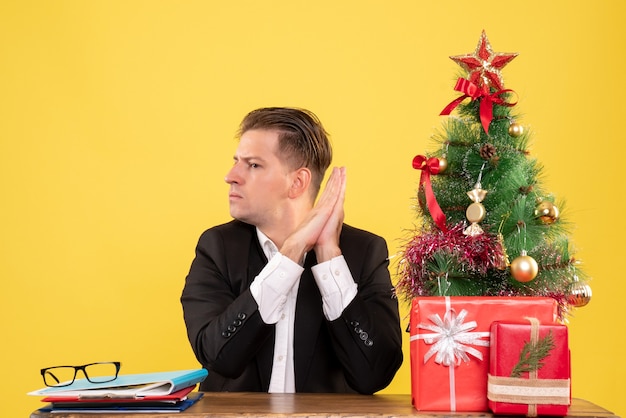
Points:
x=300 y=182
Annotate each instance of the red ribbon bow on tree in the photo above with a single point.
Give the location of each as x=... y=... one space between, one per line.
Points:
x=471 y=90
x=430 y=166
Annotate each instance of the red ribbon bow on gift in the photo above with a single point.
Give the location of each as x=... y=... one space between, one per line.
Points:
x=430 y=166
x=471 y=90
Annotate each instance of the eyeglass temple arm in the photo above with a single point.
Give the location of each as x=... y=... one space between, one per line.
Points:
x=51 y=375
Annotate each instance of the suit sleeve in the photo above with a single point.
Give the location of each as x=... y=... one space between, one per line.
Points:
x=223 y=323
x=367 y=335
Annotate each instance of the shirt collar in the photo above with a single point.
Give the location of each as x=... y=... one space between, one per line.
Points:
x=268 y=246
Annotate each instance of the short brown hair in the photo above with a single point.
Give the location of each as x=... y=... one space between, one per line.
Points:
x=302 y=140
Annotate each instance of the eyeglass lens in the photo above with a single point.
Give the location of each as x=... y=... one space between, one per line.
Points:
x=94 y=372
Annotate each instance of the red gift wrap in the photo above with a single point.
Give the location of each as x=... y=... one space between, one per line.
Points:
x=450 y=339
x=542 y=391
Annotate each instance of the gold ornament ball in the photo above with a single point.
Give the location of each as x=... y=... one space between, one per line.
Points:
x=547 y=212
x=515 y=129
x=579 y=294
x=443 y=164
x=524 y=268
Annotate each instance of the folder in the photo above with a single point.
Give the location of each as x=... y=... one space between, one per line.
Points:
x=123 y=407
x=83 y=400
x=129 y=386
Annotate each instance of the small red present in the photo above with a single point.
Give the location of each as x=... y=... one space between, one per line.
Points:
x=529 y=372
x=450 y=346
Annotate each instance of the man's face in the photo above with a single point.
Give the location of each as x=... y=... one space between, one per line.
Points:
x=259 y=180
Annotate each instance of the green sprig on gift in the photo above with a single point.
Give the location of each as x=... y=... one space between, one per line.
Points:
x=532 y=355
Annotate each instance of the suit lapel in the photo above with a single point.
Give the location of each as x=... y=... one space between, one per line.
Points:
x=265 y=355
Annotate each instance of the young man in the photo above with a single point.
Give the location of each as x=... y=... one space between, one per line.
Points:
x=287 y=298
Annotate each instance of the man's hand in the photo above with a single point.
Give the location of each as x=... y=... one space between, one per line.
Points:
x=327 y=245
x=321 y=228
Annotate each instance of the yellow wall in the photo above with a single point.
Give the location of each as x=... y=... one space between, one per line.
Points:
x=116 y=129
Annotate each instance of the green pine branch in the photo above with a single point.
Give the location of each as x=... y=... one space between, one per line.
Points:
x=532 y=355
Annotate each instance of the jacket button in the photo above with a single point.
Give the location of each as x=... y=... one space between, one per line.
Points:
x=363 y=336
x=241 y=315
x=237 y=322
x=226 y=334
x=368 y=342
x=231 y=328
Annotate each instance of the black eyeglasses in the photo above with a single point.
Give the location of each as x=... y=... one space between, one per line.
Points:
x=102 y=372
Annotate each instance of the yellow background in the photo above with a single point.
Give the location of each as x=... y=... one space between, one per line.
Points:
x=117 y=121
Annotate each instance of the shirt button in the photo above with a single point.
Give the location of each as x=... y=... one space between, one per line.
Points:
x=325 y=276
x=282 y=316
x=337 y=272
x=280 y=358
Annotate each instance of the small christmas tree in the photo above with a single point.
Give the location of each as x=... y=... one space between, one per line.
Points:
x=488 y=226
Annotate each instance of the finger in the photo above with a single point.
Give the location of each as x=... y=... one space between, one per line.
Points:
x=338 y=209
x=332 y=189
x=342 y=190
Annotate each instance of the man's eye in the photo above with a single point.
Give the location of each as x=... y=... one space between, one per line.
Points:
x=253 y=165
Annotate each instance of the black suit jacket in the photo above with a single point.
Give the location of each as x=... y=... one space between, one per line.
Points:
x=359 y=352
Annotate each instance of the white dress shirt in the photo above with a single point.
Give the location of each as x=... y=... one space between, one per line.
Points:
x=275 y=290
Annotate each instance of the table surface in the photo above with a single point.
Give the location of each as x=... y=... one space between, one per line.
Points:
x=263 y=405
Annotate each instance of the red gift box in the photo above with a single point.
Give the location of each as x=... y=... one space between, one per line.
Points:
x=545 y=390
x=450 y=346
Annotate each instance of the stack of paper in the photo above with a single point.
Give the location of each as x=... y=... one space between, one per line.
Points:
x=148 y=392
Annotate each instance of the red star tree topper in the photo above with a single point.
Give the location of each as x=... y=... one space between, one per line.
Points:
x=484 y=65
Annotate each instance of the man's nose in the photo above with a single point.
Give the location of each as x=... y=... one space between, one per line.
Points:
x=233 y=176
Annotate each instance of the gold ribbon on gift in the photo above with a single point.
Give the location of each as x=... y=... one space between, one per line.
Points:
x=532 y=391
x=526 y=391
